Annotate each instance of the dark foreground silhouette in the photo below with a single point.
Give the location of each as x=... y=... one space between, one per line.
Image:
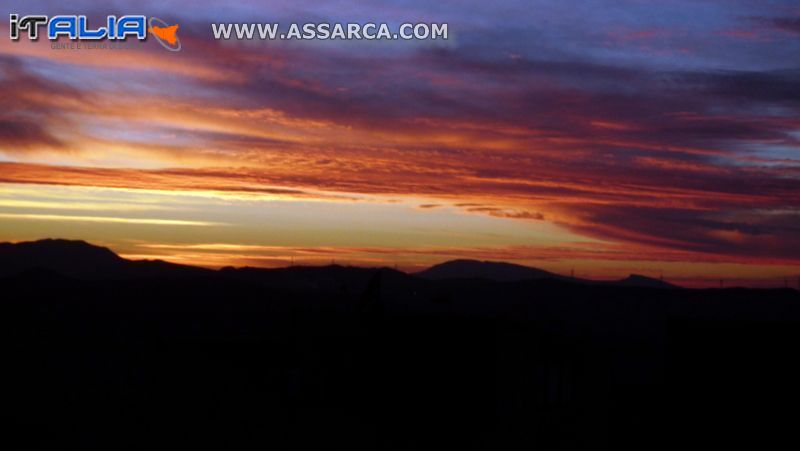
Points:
x=102 y=353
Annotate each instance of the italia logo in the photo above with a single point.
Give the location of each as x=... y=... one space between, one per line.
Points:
x=77 y=28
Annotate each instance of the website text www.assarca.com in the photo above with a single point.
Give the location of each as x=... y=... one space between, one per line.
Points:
x=330 y=31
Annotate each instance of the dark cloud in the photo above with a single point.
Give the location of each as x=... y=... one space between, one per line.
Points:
x=790 y=24
x=30 y=105
x=750 y=88
x=20 y=135
x=757 y=233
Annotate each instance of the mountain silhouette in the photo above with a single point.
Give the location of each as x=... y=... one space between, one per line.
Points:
x=508 y=272
x=498 y=271
x=82 y=260
x=637 y=280
x=102 y=353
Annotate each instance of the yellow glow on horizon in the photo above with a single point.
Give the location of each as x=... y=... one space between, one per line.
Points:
x=108 y=219
x=67 y=205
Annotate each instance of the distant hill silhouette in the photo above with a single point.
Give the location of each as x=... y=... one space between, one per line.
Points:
x=86 y=261
x=82 y=260
x=503 y=272
x=100 y=353
x=636 y=280
x=508 y=272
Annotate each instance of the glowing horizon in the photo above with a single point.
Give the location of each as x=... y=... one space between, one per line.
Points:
x=654 y=139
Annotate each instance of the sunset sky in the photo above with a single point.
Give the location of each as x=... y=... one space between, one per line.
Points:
x=606 y=136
